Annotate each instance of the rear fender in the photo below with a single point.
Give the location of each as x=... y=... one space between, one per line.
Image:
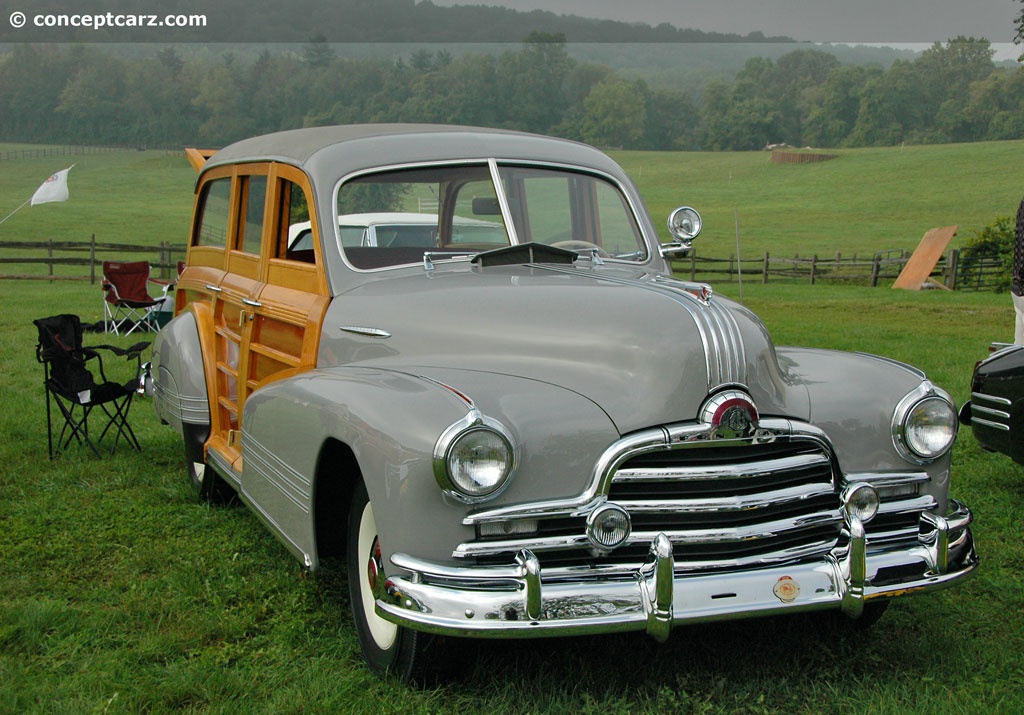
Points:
x=180 y=392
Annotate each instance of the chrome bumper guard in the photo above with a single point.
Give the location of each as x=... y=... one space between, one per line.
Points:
x=515 y=600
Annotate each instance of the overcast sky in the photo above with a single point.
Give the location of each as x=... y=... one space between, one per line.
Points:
x=856 y=21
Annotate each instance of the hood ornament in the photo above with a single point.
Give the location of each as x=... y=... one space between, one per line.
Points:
x=731 y=414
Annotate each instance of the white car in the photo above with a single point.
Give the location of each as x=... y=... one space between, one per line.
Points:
x=393 y=229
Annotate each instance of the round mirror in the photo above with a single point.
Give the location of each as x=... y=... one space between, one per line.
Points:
x=684 y=224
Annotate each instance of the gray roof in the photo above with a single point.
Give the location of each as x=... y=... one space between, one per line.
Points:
x=338 y=150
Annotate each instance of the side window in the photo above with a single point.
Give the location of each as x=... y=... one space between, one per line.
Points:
x=295 y=233
x=212 y=230
x=254 y=196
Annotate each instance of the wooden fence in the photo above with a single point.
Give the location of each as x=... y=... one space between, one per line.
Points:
x=49 y=151
x=878 y=268
x=84 y=258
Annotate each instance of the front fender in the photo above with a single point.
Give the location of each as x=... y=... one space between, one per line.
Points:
x=853 y=398
x=391 y=421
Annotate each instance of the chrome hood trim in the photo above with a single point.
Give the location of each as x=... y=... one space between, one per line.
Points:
x=724 y=357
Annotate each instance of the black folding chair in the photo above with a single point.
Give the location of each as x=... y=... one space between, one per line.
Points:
x=74 y=389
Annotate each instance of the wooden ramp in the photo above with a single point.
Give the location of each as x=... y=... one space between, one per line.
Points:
x=915 y=275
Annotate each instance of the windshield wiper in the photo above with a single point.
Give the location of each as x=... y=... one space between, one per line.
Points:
x=429 y=256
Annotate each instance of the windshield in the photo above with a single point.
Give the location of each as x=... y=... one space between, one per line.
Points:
x=394 y=217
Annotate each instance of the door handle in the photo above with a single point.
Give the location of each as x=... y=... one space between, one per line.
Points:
x=213 y=288
x=252 y=303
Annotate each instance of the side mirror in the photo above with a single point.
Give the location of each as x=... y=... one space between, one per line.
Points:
x=684 y=225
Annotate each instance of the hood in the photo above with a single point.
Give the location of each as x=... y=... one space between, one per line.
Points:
x=639 y=345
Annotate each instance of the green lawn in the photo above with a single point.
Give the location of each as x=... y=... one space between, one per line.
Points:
x=119 y=593
x=864 y=201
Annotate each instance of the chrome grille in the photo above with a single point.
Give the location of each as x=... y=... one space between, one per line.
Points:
x=727 y=506
x=722 y=505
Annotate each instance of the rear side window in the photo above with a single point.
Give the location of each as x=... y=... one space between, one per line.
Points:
x=215 y=204
x=254 y=199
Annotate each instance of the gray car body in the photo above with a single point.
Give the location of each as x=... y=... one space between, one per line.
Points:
x=570 y=359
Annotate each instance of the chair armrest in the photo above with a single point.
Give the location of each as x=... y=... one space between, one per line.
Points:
x=166 y=286
x=109 y=287
x=132 y=351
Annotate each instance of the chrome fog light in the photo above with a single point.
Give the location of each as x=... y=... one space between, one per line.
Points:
x=925 y=426
x=608 y=526
x=474 y=458
x=861 y=501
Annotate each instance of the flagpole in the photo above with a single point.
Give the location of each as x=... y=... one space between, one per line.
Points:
x=16 y=210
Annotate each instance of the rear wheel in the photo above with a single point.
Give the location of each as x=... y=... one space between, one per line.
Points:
x=207 y=484
x=388 y=649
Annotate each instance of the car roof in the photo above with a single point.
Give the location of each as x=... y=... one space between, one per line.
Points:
x=328 y=153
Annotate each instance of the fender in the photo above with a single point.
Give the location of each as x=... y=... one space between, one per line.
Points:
x=180 y=389
x=391 y=420
x=388 y=419
x=860 y=422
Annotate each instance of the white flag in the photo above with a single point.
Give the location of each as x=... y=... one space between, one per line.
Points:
x=53 y=189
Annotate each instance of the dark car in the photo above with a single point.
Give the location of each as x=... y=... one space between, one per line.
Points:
x=996 y=409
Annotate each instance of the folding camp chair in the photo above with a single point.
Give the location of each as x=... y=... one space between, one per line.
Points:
x=73 y=388
x=127 y=304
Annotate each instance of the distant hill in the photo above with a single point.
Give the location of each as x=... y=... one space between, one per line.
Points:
x=386 y=21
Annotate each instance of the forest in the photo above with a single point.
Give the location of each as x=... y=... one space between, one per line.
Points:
x=85 y=94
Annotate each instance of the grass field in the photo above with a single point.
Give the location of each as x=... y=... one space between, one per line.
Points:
x=119 y=593
x=864 y=201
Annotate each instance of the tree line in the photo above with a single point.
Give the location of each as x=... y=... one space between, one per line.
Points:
x=952 y=92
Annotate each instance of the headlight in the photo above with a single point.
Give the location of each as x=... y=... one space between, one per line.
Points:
x=925 y=424
x=474 y=458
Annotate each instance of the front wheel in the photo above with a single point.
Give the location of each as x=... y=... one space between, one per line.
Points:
x=388 y=649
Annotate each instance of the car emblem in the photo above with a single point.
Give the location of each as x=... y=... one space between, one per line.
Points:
x=786 y=589
x=731 y=413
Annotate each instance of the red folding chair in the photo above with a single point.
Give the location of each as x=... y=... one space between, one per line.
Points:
x=127 y=304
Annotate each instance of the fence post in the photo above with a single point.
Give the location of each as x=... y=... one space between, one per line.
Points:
x=693 y=264
x=92 y=260
x=49 y=255
x=874 y=270
x=764 y=271
x=814 y=267
x=163 y=258
x=952 y=268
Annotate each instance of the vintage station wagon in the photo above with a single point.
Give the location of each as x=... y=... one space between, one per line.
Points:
x=542 y=433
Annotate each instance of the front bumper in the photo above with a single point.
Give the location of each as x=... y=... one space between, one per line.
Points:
x=517 y=601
